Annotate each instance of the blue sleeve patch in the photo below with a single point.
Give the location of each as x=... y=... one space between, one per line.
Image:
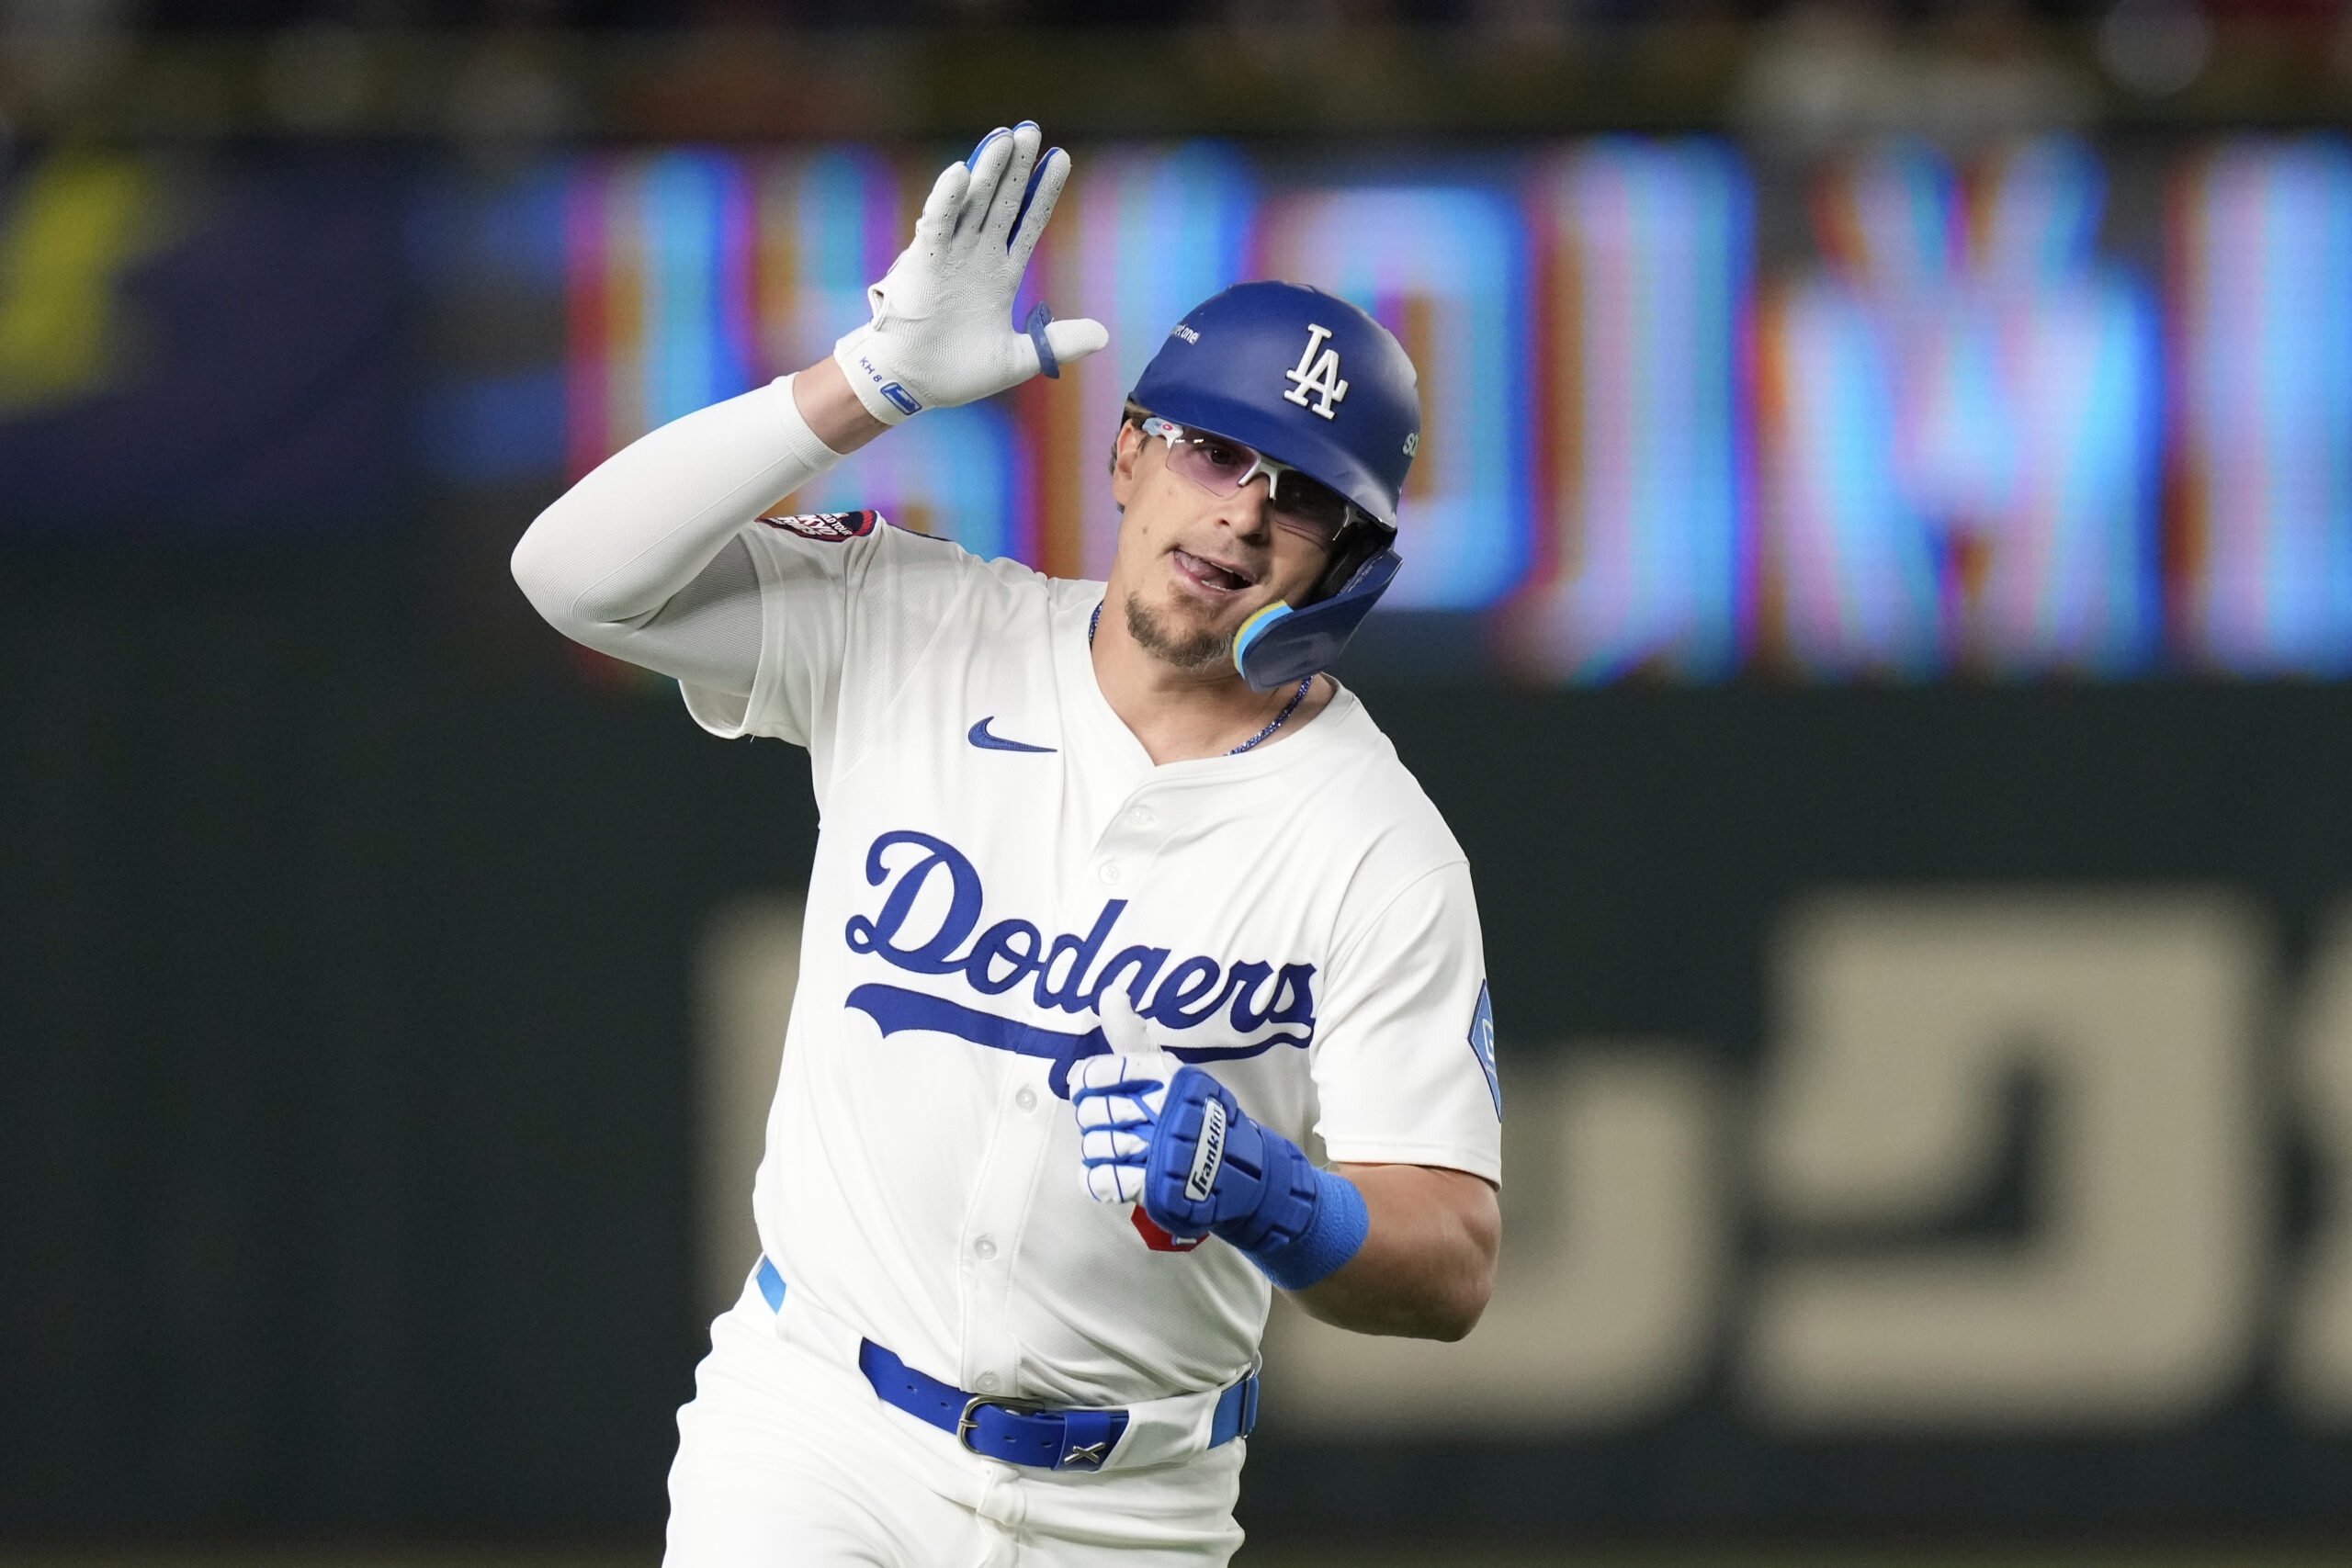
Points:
x=1482 y=1045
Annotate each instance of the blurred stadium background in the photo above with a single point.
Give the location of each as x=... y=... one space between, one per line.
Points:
x=1878 y=611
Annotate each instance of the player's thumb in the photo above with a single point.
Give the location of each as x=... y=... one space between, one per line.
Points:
x=1075 y=338
x=1122 y=1031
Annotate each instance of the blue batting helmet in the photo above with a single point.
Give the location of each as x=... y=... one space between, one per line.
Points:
x=1313 y=381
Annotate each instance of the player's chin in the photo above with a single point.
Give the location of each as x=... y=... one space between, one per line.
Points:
x=1182 y=632
x=1220 y=614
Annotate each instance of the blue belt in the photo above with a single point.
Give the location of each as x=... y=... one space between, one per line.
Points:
x=1017 y=1431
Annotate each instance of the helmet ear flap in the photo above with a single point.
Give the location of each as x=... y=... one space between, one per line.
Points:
x=1349 y=552
x=1279 y=645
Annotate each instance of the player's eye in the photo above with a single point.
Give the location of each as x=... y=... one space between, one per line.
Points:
x=1309 y=507
x=1223 y=458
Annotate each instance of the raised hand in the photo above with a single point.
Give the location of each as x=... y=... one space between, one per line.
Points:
x=943 y=333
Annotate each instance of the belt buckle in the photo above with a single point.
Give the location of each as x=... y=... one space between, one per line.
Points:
x=969 y=1422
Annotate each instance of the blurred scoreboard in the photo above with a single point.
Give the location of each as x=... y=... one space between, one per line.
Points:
x=1897 y=418
x=1954 y=434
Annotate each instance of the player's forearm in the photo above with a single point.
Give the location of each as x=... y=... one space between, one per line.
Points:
x=1428 y=1261
x=617 y=546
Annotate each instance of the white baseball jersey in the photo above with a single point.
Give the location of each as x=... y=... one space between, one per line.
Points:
x=997 y=849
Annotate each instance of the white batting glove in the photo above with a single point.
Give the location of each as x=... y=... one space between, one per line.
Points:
x=1117 y=1099
x=943 y=331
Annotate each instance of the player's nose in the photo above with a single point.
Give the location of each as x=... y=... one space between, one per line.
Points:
x=1249 y=511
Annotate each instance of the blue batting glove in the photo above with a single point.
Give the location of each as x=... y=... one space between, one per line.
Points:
x=1169 y=1135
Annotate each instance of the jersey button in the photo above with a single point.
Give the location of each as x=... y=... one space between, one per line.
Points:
x=984 y=1248
x=1026 y=1099
x=985 y=1383
x=1110 y=872
x=1141 y=816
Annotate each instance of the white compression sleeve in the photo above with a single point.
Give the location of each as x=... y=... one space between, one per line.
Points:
x=607 y=561
x=708 y=634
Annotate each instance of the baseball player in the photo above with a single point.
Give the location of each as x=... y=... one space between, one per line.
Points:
x=1140 y=976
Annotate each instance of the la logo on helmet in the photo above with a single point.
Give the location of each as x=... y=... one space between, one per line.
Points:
x=1320 y=377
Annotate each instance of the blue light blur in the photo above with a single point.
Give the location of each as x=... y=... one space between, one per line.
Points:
x=693 y=207
x=1647 y=298
x=1960 y=456
x=2263 y=316
x=1939 y=447
x=1152 y=231
x=1443 y=266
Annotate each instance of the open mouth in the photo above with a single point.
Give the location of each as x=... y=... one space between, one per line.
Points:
x=1208 y=574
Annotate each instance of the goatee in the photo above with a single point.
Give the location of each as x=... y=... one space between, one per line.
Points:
x=1199 y=651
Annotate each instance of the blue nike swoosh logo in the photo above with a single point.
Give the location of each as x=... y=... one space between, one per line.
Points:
x=980 y=737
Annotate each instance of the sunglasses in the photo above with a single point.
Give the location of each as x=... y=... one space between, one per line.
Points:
x=1305 y=506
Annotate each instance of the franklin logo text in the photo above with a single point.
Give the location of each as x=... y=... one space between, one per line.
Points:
x=1202 y=1178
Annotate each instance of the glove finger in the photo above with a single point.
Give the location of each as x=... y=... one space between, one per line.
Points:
x=1109 y=1110
x=972 y=159
x=1037 y=200
x=988 y=164
x=1096 y=1076
x=1142 y=1074
x=1139 y=1077
x=939 y=209
x=1113 y=1147
x=1053 y=163
x=1012 y=188
x=1112 y=1183
x=1075 y=338
x=1113 y=1116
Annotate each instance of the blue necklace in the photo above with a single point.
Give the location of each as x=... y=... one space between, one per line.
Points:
x=1280 y=719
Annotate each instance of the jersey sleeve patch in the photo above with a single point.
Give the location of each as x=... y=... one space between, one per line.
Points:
x=1482 y=1045
x=826 y=527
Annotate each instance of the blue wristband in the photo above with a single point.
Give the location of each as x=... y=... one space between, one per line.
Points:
x=1336 y=1235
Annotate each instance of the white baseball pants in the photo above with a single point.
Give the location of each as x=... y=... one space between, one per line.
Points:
x=787 y=1460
